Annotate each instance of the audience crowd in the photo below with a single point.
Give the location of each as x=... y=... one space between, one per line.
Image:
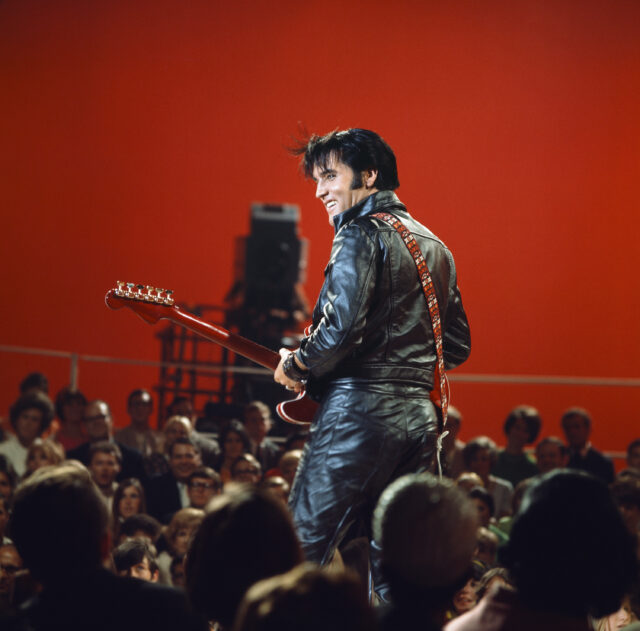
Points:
x=173 y=528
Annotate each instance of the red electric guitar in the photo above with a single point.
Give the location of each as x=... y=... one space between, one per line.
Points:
x=153 y=304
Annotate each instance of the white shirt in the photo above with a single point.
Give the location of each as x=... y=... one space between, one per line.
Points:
x=17 y=454
x=184 y=496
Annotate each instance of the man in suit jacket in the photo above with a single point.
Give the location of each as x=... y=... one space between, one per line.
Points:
x=99 y=425
x=167 y=493
x=576 y=424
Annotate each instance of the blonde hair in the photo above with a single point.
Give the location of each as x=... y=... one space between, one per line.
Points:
x=185 y=518
x=53 y=451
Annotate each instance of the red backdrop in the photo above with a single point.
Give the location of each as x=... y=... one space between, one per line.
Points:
x=135 y=134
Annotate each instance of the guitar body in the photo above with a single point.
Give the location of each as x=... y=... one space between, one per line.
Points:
x=153 y=304
x=293 y=411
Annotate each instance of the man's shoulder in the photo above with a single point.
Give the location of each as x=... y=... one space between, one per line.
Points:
x=10 y=444
x=81 y=453
x=595 y=454
x=128 y=451
x=163 y=481
x=104 y=601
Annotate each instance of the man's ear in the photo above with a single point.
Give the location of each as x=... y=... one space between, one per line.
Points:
x=369 y=177
x=155 y=576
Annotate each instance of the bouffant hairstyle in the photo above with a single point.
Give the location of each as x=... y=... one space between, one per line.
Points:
x=248 y=533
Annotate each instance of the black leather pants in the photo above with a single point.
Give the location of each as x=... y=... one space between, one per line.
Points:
x=364 y=436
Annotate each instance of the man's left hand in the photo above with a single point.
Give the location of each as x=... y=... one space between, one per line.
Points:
x=281 y=378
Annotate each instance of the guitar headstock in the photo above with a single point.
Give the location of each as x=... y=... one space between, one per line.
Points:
x=150 y=303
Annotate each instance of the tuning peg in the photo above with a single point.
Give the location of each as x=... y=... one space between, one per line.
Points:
x=130 y=293
x=169 y=297
x=119 y=288
x=158 y=297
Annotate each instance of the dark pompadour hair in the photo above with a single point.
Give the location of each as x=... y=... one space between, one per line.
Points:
x=360 y=149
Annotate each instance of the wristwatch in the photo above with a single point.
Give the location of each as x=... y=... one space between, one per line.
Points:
x=292 y=370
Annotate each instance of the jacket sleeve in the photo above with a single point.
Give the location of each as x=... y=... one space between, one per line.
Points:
x=456 y=339
x=345 y=298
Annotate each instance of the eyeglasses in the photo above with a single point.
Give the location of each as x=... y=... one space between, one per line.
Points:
x=201 y=485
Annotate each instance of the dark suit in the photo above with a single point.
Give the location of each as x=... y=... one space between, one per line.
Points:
x=101 y=601
x=595 y=463
x=163 y=497
x=132 y=463
x=209 y=449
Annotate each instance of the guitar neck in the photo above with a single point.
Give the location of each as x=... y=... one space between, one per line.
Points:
x=236 y=343
x=157 y=304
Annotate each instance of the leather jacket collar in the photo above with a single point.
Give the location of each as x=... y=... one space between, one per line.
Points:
x=382 y=200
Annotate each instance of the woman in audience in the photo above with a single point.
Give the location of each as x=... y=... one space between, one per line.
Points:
x=41 y=453
x=617 y=620
x=70 y=406
x=466 y=598
x=569 y=556
x=128 y=500
x=234 y=441
x=177 y=536
x=247 y=535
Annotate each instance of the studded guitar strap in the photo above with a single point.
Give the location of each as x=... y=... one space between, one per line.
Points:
x=434 y=312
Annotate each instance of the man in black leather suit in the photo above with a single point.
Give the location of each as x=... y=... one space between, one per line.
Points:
x=370 y=356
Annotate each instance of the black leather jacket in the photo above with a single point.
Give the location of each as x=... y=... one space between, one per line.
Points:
x=371 y=321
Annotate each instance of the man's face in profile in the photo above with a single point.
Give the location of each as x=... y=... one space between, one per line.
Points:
x=337 y=188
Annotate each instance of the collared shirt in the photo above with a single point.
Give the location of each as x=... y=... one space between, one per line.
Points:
x=184 y=496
